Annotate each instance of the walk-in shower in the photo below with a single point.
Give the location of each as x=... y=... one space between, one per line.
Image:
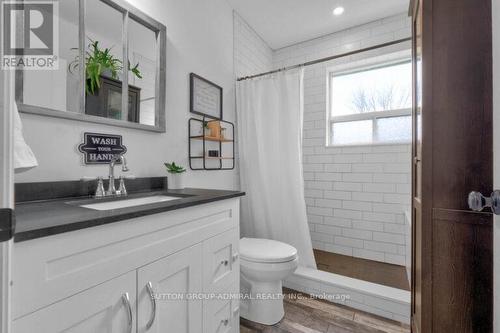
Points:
x=356 y=164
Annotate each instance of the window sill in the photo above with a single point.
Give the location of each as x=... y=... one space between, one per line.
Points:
x=350 y=145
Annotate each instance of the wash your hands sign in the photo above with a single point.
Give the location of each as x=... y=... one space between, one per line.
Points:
x=100 y=148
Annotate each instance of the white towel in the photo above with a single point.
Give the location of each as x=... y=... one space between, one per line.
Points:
x=24 y=159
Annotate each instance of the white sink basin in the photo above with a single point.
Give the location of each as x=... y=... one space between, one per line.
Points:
x=129 y=202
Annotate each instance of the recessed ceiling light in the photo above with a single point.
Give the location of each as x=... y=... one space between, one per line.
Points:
x=338 y=11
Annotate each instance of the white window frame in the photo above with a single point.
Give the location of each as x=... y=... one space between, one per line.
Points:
x=373 y=116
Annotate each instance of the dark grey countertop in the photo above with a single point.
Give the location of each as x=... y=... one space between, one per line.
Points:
x=45 y=218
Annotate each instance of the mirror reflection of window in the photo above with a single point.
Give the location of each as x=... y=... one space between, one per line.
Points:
x=58 y=89
x=104 y=60
x=142 y=55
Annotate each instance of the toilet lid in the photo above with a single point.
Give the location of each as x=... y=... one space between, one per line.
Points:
x=266 y=250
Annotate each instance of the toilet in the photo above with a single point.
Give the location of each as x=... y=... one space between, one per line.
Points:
x=264 y=264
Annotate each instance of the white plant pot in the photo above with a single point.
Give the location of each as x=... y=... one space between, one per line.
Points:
x=176 y=181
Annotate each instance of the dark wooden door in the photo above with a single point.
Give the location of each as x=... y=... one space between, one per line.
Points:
x=416 y=276
x=452 y=278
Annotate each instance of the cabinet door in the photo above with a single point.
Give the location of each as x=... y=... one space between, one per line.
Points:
x=96 y=310
x=220 y=261
x=172 y=280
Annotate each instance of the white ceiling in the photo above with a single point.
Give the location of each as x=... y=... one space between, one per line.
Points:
x=285 y=22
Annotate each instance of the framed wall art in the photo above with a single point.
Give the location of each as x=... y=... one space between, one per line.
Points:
x=205 y=97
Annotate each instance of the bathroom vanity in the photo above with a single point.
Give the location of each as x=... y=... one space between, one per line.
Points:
x=79 y=269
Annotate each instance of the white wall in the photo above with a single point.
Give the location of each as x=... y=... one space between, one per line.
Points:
x=496 y=149
x=356 y=196
x=200 y=40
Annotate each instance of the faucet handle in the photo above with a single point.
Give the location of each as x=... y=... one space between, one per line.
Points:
x=99 y=192
x=122 y=190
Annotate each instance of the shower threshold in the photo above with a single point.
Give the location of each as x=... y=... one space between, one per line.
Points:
x=375 y=298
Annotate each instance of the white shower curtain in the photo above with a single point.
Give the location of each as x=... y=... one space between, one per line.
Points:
x=269 y=111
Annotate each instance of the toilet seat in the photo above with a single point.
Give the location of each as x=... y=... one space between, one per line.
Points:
x=266 y=251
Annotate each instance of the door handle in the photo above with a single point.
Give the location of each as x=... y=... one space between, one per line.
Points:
x=477 y=201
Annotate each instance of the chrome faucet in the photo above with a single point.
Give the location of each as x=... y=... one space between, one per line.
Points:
x=111 y=188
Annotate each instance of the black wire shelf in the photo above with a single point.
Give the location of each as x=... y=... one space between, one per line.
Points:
x=201 y=160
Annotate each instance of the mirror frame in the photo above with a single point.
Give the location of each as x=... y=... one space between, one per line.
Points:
x=128 y=12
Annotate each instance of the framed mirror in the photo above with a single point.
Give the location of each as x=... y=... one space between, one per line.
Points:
x=112 y=68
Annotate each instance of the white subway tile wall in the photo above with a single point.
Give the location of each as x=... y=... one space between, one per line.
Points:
x=356 y=196
x=251 y=53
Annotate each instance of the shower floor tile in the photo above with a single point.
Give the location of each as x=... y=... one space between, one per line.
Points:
x=363 y=269
x=307 y=315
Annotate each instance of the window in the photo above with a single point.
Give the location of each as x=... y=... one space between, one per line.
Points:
x=371 y=105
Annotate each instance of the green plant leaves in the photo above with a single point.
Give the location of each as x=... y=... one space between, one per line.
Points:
x=135 y=70
x=173 y=168
x=98 y=61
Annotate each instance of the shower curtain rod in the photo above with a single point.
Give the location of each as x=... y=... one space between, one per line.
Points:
x=314 y=62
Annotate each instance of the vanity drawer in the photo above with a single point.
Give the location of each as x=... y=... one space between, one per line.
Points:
x=222 y=315
x=221 y=264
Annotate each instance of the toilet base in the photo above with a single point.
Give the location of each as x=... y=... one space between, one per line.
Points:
x=265 y=305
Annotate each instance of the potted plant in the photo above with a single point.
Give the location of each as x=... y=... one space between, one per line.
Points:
x=101 y=64
x=176 y=179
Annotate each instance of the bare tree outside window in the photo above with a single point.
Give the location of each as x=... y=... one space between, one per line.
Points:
x=389 y=97
x=371 y=105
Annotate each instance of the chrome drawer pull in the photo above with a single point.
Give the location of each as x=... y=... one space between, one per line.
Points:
x=149 y=287
x=224 y=262
x=235 y=256
x=225 y=322
x=126 y=303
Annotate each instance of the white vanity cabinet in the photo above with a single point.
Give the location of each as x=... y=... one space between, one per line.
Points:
x=77 y=281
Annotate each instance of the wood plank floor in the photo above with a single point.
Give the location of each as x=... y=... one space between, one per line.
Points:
x=363 y=269
x=306 y=315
